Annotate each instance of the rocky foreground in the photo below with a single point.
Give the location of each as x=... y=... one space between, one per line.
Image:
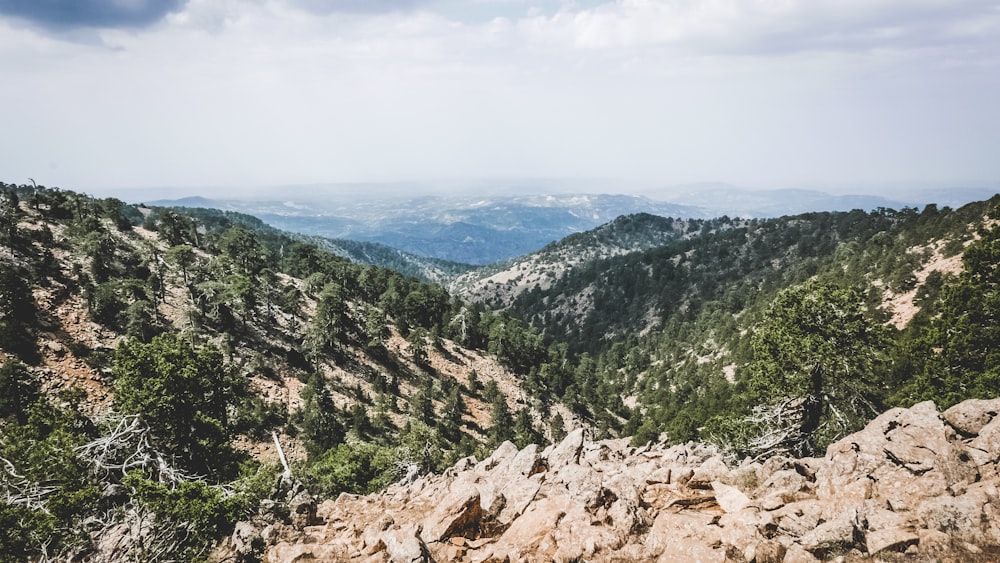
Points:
x=914 y=485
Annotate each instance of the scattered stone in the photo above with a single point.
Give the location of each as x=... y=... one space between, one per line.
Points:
x=912 y=484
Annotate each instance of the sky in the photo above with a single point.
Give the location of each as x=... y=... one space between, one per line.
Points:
x=237 y=94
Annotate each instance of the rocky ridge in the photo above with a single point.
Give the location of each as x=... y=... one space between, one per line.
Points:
x=915 y=484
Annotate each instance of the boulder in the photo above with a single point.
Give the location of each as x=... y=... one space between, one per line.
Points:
x=730 y=498
x=504 y=453
x=985 y=448
x=526 y=462
x=839 y=534
x=247 y=541
x=969 y=417
x=969 y=517
x=712 y=469
x=518 y=494
x=531 y=533
x=740 y=531
x=890 y=539
x=903 y=455
x=405 y=546
x=584 y=485
x=460 y=513
x=567 y=452
x=302 y=509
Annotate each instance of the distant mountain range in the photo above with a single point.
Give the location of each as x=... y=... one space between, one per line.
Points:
x=492 y=228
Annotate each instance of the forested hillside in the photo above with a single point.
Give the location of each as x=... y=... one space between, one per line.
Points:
x=151 y=358
x=149 y=353
x=696 y=329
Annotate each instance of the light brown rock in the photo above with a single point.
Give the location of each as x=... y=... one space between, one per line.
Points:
x=405 y=546
x=568 y=451
x=459 y=514
x=908 y=483
x=969 y=417
x=903 y=455
x=890 y=539
x=730 y=498
x=985 y=448
x=839 y=534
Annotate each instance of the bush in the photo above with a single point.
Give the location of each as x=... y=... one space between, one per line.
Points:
x=185 y=394
x=353 y=468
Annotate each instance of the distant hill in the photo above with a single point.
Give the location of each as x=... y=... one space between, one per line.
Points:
x=491 y=228
x=464 y=229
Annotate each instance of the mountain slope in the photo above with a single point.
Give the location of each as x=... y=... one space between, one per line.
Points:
x=499 y=285
x=150 y=352
x=673 y=327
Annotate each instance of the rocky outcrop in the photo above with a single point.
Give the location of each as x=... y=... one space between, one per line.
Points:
x=914 y=484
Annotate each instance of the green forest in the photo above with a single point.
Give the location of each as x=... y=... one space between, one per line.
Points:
x=146 y=353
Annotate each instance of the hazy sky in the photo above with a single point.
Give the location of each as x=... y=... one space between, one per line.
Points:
x=768 y=93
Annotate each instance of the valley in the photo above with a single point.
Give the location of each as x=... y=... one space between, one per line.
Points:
x=157 y=354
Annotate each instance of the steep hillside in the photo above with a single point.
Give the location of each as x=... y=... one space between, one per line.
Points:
x=159 y=366
x=432 y=270
x=150 y=353
x=677 y=325
x=501 y=284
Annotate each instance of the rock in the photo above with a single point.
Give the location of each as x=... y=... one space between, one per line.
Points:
x=691 y=549
x=903 y=455
x=883 y=519
x=771 y=502
x=585 y=485
x=769 y=551
x=460 y=513
x=527 y=462
x=784 y=481
x=567 y=452
x=797 y=520
x=660 y=475
x=969 y=417
x=906 y=486
x=798 y=554
x=839 y=534
x=371 y=537
x=531 y=534
x=730 y=498
x=405 y=546
x=890 y=539
x=713 y=469
x=247 y=541
x=934 y=542
x=626 y=513
x=302 y=509
x=985 y=448
x=518 y=494
x=504 y=452
x=741 y=531
x=969 y=517
x=464 y=464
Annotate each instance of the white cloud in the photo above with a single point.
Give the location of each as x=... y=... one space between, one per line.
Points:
x=764 y=25
x=752 y=91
